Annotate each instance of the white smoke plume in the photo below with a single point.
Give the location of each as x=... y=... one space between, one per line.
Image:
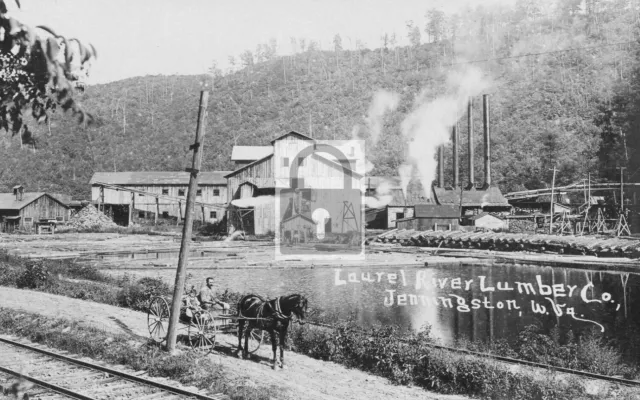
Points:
x=382 y=198
x=383 y=102
x=429 y=125
x=253 y=201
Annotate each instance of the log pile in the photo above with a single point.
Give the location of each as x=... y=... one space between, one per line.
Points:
x=522 y=226
x=90 y=218
x=600 y=246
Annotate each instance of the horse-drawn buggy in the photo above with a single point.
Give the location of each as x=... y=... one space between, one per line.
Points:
x=201 y=328
x=255 y=320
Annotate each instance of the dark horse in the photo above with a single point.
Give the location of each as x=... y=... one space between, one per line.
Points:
x=271 y=316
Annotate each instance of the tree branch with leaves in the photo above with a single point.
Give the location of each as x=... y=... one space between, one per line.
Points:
x=37 y=70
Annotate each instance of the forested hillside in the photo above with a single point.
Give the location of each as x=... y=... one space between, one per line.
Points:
x=562 y=77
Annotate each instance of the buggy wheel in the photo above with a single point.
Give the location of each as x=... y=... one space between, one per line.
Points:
x=158 y=319
x=202 y=334
x=255 y=340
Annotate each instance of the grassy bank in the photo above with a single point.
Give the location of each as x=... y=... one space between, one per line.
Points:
x=405 y=357
x=189 y=368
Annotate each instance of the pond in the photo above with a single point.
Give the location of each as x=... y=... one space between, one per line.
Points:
x=477 y=302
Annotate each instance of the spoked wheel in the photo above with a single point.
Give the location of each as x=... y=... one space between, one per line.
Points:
x=158 y=319
x=255 y=340
x=202 y=334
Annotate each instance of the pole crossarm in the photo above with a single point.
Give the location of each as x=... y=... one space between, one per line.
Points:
x=158 y=196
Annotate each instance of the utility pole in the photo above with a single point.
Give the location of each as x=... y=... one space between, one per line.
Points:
x=181 y=272
x=553 y=185
x=621 y=188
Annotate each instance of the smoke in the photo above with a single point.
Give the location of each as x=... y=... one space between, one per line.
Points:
x=429 y=125
x=383 y=102
x=382 y=198
x=253 y=201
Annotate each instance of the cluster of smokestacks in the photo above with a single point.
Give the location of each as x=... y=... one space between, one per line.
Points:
x=456 y=153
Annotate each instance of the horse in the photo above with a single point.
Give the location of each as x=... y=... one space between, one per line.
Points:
x=271 y=316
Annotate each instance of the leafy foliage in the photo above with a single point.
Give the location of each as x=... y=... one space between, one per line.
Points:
x=36 y=73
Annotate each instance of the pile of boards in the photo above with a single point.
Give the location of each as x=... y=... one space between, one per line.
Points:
x=601 y=246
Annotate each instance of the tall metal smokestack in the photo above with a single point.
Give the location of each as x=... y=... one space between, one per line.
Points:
x=472 y=178
x=487 y=140
x=441 y=166
x=456 y=168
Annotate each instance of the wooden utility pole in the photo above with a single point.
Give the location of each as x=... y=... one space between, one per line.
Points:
x=181 y=272
x=553 y=185
x=621 y=188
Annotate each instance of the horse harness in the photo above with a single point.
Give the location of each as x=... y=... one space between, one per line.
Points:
x=279 y=315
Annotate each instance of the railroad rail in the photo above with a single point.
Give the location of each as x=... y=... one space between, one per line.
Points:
x=56 y=376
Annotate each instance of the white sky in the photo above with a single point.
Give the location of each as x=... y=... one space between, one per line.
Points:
x=150 y=37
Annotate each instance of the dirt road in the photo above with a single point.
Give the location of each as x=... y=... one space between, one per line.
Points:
x=304 y=377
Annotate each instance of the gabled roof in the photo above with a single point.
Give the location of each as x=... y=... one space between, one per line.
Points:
x=482 y=215
x=300 y=135
x=158 y=178
x=436 y=211
x=301 y=216
x=250 y=153
x=492 y=197
x=8 y=200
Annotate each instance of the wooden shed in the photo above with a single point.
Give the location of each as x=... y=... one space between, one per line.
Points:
x=432 y=217
x=22 y=210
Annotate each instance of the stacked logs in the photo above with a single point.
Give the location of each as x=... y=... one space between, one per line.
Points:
x=499 y=241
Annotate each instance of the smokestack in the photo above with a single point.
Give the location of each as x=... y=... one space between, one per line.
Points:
x=487 y=144
x=472 y=177
x=455 y=139
x=441 y=166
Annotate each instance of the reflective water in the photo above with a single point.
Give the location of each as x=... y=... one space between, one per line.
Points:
x=455 y=301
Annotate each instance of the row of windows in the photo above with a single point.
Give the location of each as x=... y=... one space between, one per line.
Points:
x=181 y=192
x=165 y=214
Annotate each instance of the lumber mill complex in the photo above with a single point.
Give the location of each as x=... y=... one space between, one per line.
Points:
x=242 y=199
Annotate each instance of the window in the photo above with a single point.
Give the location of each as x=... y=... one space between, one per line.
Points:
x=140 y=194
x=140 y=214
x=180 y=192
x=399 y=215
x=165 y=214
x=285 y=161
x=199 y=192
x=59 y=218
x=216 y=192
x=28 y=220
x=213 y=215
x=165 y=191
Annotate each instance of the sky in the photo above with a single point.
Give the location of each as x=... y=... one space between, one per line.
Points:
x=162 y=37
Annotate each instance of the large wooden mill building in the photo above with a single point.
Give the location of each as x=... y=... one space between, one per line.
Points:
x=132 y=196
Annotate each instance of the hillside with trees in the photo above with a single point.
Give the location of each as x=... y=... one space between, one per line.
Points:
x=562 y=74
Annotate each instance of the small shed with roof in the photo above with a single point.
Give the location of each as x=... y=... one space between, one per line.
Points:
x=23 y=210
x=385 y=202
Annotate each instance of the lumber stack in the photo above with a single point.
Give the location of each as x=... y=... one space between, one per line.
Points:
x=601 y=246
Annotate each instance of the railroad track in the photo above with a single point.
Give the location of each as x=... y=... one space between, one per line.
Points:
x=37 y=373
